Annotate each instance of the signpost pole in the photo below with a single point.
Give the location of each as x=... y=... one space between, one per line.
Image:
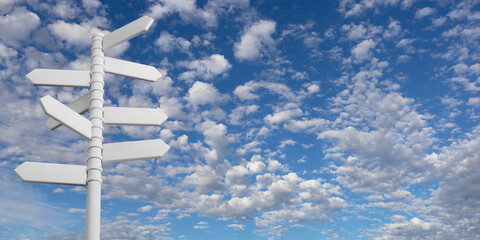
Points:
x=94 y=161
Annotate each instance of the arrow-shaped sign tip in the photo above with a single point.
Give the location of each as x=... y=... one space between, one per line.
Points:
x=31 y=75
x=18 y=171
x=149 y=22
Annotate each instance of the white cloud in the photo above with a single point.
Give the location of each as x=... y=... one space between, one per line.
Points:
x=91 y=4
x=201 y=225
x=173 y=107
x=187 y=11
x=305 y=124
x=163 y=86
x=283 y=116
x=206 y=68
x=167 y=43
x=405 y=42
x=254 y=40
x=361 y=31
x=58 y=190
x=393 y=29
x=124 y=228
x=167 y=7
x=216 y=136
x=65 y=9
x=363 y=51
x=74 y=34
x=246 y=91
x=424 y=12
x=204 y=180
x=203 y=93
x=313 y=88
x=239 y=112
x=6 y=52
x=17 y=25
x=351 y=8
x=146 y=208
x=414 y=229
x=237 y=226
x=474 y=101
x=76 y=210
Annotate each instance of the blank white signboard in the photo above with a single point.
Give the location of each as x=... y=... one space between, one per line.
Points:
x=59 y=78
x=52 y=173
x=131 y=69
x=126 y=151
x=67 y=116
x=133 y=116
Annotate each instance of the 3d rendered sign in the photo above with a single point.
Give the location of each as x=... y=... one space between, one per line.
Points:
x=92 y=128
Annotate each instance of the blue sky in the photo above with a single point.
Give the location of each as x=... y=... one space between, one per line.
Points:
x=287 y=119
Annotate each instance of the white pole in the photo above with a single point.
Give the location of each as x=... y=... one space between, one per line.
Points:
x=94 y=161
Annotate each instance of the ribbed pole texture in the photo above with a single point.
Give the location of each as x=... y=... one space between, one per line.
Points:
x=94 y=161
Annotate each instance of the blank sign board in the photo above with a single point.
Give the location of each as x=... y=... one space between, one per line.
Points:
x=52 y=173
x=59 y=78
x=131 y=69
x=67 y=116
x=133 y=116
x=126 y=151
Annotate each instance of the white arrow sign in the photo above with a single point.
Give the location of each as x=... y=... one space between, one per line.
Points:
x=133 y=116
x=127 y=32
x=131 y=69
x=67 y=116
x=126 y=151
x=80 y=106
x=65 y=174
x=60 y=78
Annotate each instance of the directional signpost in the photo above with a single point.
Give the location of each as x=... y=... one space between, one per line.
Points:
x=92 y=128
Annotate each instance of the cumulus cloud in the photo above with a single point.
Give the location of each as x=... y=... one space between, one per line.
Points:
x=201 y=225
x=146 y=208
x=393 y=29
x=204 y=180
x=91 y=4
x=65 y=9
x=167 y=43
x=17 y=25
x=187 y=11
x=6 y=52
x=306 y=124
x=283 y=115
x=424 y=12
x=255 y=39
x=125 y=228
x=363 y=51
x=351 y=8
x=77 y=35
x=237 y=226
x=396 y=136
x=474 y=101
x=206 y=69
x=241 y=111
x=361 y=31
x=413 y=229
x=203 y=93
x=247 y=91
